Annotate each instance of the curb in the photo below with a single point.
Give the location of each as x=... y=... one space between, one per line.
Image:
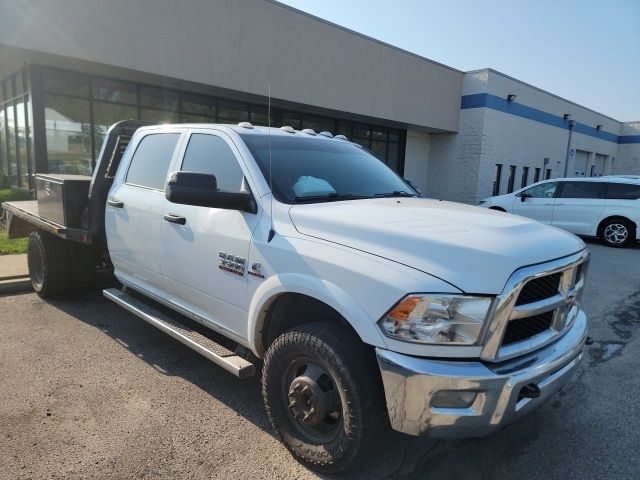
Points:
x=15 y=285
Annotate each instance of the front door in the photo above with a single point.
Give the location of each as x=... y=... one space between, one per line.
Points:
x=205 y=268
x=536 y=202
x=133 y=215
x=578 y=206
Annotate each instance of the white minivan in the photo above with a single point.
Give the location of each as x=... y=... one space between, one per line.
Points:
x=604 y=207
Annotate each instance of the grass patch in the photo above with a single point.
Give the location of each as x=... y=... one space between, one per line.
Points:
x=12 y=246
x=16 y=245
x=12 y=195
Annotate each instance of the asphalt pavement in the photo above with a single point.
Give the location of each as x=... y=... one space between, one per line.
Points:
x=89 y=391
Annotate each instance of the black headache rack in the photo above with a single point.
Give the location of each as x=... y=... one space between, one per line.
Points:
x=72 y=206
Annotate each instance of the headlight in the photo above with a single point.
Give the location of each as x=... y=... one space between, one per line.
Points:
x=437 y=319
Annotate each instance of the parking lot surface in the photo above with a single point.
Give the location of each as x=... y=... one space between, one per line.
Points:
x=90 y=391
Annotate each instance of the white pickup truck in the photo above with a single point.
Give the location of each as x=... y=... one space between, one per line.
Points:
x=366 y=306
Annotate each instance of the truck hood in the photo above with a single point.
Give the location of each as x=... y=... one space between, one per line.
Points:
x=472 y=248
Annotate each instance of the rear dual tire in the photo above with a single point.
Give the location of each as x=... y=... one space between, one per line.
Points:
x=57 y=266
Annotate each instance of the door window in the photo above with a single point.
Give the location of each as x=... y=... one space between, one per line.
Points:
x=211 y=154
x=151 y=160
x=583 y=190
x=544 y=190
x=623 y=191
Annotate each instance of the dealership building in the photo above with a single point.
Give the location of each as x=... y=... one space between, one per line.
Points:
x=69 y=70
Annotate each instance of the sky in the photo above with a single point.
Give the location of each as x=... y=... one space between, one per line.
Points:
x=586 y=51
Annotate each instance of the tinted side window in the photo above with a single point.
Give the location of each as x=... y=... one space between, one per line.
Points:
x=211 y=154
x=544 y=190
x=623 y=191
x=583 y=190
x=150 y=163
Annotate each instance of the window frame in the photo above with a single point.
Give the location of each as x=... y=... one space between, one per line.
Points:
x=214 y=133
x=603 y=188
x=177 y=148
x=617 y=198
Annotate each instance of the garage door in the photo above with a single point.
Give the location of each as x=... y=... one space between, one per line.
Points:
x=580 y=163
x=598 y=166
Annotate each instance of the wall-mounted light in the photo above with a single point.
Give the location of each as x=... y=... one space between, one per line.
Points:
x=566 y=116
x=571 y=123
x=511 y=97
x=598 y=127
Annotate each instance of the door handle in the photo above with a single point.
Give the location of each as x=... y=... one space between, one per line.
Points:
x=173 y=218
x=561 y=204
x=115 y=203
x=549 y=204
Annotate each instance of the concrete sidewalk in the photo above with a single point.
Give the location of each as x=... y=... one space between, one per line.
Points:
x=13 y=266
x=14 y=275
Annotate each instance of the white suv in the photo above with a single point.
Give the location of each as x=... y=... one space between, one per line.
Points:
x=604 y=207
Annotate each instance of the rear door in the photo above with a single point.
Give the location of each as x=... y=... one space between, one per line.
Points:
x=133 y=215
x=205 y=268
x=536 y=202
x=579 y=205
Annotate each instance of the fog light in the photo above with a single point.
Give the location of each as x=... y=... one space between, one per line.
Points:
x=453 y=399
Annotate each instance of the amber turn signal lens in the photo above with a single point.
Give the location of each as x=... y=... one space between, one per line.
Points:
x=402 y=311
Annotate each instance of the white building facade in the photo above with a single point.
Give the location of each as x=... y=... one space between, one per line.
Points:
x=512 y=134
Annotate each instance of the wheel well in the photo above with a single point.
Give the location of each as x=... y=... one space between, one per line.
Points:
x=500 y=209
x=613 y=217
x=291 y=309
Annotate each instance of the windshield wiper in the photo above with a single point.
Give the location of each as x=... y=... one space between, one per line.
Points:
x=328 y=197
x=395 y=193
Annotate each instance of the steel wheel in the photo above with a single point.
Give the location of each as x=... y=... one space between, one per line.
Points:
x=314 y=401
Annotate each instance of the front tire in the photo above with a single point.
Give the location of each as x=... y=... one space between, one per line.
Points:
x=48 y=264
x=618 y=232
x=323 y=394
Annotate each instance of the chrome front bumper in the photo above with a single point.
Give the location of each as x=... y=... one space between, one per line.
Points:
x=410 y=384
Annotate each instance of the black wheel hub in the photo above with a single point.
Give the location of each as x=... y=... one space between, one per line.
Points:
x=314 y=401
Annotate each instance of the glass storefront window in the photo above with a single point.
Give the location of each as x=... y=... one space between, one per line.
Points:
x=4 y=165
x=159 y=116
x=232 y=112
x=379 y=149
x=11 y=144
x=318 y=124
x=159 y=99
x=66 y=83
x=68 y=133
x=260 y=116
x=106 y=114
x=361 y=131
x=112 y=91
x=192 y=118
x=202 y=106
x=291 y=119
x=23 y=154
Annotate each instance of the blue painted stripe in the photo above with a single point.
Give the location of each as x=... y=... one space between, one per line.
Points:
x=486 y=100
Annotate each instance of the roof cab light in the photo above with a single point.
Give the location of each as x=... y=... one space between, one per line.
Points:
x=341 y=137
x=245 y=125
x=308 y=131
x=437 y=319
x=287 y=129
x=326 y=134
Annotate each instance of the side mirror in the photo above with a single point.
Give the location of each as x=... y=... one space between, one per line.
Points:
x=201 y=190
x=524 y=196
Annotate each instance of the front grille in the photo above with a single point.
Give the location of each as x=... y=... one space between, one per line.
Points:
x=539 y=289
x=523 y=328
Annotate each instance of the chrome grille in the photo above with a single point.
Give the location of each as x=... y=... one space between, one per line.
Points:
x=539 y=289
x=537 y=305
x=523 y=328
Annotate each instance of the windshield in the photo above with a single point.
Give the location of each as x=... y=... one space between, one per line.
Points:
x=309 y=170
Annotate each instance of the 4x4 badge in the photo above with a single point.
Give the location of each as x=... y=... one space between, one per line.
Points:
x=256 y=270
